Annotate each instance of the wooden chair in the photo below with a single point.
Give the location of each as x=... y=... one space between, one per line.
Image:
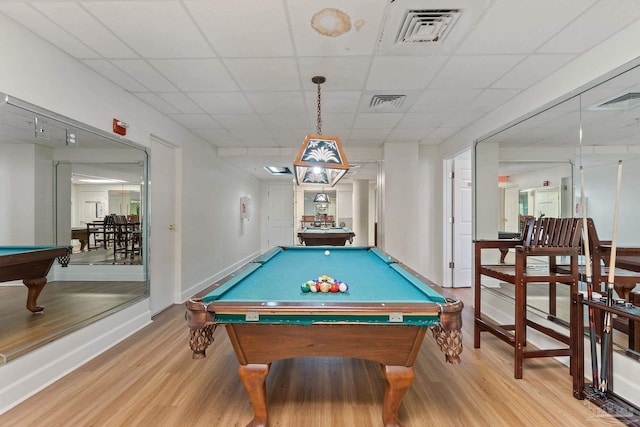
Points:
x=545 y=238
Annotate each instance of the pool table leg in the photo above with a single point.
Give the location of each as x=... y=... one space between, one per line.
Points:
x=34 y=287
x=399 y=379
x=254 y=377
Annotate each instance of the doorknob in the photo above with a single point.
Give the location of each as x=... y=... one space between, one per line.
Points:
x=172 y=226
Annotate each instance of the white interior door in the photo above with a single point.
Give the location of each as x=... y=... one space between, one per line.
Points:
x=280 y=215
x=463 y=223
x=163 y=259
x=510 y=219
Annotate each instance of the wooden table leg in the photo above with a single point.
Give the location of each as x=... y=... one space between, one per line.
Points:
x=254 y=377
x=399 y=379
x=34 y=287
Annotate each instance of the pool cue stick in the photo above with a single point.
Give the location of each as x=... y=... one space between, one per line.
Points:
x=608 y=319
x=595 y=382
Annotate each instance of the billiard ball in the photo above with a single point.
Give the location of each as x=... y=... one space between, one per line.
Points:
x=343 y=287
x=305 y=287
x=327 y=253
x=313 y=288
x=335 y=287
x=325 y=287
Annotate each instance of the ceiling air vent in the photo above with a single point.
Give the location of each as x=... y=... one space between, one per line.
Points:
x=386 y=101
x=426 y=26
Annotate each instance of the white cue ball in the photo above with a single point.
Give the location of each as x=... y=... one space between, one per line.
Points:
x=327 y=253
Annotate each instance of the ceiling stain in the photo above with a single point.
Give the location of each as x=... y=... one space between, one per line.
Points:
x=331 y=22
x=358 y=24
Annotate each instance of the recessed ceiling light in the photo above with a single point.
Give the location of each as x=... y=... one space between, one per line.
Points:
x=278 y=170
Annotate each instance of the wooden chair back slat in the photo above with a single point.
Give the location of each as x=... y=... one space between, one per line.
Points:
x=552 y=232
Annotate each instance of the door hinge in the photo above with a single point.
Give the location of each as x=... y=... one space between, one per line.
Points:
x=452 y=220
x=450 y=264
x=452 y=175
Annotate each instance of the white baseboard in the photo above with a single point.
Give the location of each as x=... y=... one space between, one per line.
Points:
x=191 y=291
x=28 y=374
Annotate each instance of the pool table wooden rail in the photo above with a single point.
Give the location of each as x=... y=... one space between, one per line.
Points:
x=32 y=267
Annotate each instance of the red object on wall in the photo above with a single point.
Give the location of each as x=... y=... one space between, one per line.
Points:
x=120 y=130
x=502 y=178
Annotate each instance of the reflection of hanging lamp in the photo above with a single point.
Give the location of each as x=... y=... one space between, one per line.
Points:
x=320 y=159
x=321 y=198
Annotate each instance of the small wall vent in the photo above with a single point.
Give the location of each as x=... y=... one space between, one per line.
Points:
x=426 y=26
x=386 y=101
x=625 y=101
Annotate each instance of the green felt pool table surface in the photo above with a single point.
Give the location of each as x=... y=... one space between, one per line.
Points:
x=370 y=275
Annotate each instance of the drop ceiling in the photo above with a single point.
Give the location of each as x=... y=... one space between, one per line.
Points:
x=238 y=73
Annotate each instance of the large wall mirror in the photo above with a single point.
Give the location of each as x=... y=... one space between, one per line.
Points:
x=533 y=168
x=64 y=183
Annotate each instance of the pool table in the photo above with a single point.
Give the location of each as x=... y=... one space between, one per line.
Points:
x=31 y=264
x=334 y=236
x=383 y=316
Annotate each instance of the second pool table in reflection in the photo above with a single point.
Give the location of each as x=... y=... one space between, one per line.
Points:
x=31 y=264
x=334 y=236
x=382 y=317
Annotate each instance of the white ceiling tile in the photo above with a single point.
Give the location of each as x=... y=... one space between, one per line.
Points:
x=377 y=120
x=239 y=121
x=236 y=32
x=407 y=135
x=277 y=102
x=196 y=121
x=605 y=18
x=191 y=75
x=77 y=21
x=462 y=119
x=336 y=121
x=216 y=135
x=145 y=74
x=352 y=29
x=290 y=137
x=474 y=71
x=443 y=132
x=157 y=102
x=166 y=31
x=265 y=74
x=423 y=120
x=289 y=121
x=115 y=74
x=403 y=72
x=42 y=26
x=222 y=102
x=431 y=101
x=248 y=133
x=333 y=101
x=377 y=135
x=341 y=73
x=490 y=99
x=509 y=26
x=181 y=102
x=533 y=69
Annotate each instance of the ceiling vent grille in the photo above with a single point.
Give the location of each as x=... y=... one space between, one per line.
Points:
x=427 y=26
x=386 y=101
x=625 y=101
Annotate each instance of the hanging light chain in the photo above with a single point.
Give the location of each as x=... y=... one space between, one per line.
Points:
x=319 y=80
x=319 y=125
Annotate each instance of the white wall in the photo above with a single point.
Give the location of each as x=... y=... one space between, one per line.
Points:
x=213 y=235
x=17 y=187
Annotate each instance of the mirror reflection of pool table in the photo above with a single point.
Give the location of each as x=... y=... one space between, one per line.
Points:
x=383 y=317
x=334 y=236
x=31 y=264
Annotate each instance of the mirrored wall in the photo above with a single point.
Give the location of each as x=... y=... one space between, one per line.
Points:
x=534 y=168
x=63 y=183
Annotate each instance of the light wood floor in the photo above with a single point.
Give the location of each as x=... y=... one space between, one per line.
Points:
x=68 y=307
x=151 y=380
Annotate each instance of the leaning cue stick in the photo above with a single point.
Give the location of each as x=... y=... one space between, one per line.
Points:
x=608 y=320
x=587 y=264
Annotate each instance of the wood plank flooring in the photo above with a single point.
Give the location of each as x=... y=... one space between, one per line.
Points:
x=68 y=307
x=151 y=380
